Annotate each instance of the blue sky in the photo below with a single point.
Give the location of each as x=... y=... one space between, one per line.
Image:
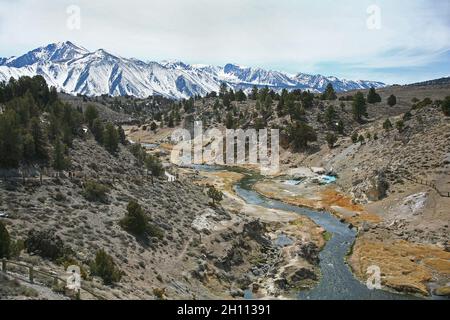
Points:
x=329 y=37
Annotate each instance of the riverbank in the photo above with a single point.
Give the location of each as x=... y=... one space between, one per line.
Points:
x=297 y=239
x=406 y=267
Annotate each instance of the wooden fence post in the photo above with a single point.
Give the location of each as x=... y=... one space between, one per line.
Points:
x=4 y=265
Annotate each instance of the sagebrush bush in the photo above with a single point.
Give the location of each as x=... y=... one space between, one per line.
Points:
x=137 y=223
x=104 y=267
x=95 y=192
x=45 y=244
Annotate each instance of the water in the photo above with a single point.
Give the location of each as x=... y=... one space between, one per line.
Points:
x=337 y=282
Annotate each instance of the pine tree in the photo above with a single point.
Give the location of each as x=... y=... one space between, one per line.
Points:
x=331 y=139
x=154 y=165
x=10 y=140
x=122 y=136
x=90 y=114
x=359 y=106
x=39 y=138
x=387 y=125
x=111 y=138
x=400 y=125
x=301 y=134
x=329 y=93
x=330 y=114
x=446 y=106
x=392 y=100
x=215 y=195
x=373 y=96
x=5 y=241
x=340 y=127
x=97 y=130
x=254 y=94
x=29 y=151
x=135 y=220
x=60 y=162
x=229 y=122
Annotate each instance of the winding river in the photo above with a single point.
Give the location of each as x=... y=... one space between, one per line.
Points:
x=337 y=281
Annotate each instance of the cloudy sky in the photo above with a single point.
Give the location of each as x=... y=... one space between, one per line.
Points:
x=395 y=41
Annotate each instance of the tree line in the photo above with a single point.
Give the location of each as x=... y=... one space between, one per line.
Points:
x=36 y=127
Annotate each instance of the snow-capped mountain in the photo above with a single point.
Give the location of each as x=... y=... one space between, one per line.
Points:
x=74 y=69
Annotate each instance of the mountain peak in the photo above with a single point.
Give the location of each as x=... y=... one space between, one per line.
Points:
x=75 y=70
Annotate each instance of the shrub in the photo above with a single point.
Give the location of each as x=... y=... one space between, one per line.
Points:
x=104 y=267
x=331 y=140
x=301 y=133
x=400 y=125
x=407 y=116
x=387 y=125
x=135 y=220
x=159 y=293
x=373 y=96
x=153 y=164
x=16 y=248
x=137 y=223
x=355 y=137
x=95 y=192
x=45 y=244
x=361 y=139
x=5 y=242
x=392 y=100
x=446 y=106
x=138 y=152
x=215 y=195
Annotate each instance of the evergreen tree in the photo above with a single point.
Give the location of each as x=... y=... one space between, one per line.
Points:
x=229 y=122
x=39 y=138
x=90 y=114
x=29 y=151
x=301 y=134
x=97 y=130
x=122 y=136
x=340 y=127
x=387 y=125
x=400 y=125
x=240 y=96
x=154 y=165
x=330 y=115
x=446 y=106
x=359 y=106
x=254 y=94
x=329 y=93
x=215 y=195
x=373 y=96
x=331 y=140
x=10 y=140
x=111 y=138
x=104 y=267
x=223 y=89
x=392 y=100
x=5 y=241
x=135 y=220
x=60 y=162
x=226 y=101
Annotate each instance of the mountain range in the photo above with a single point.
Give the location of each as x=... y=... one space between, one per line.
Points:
x=75 y=70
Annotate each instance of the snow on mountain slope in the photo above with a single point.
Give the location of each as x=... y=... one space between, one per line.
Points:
x=73 y=69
